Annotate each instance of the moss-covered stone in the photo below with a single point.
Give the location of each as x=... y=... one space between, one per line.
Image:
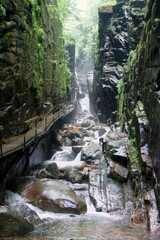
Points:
x=31 y=42
x=139 y=102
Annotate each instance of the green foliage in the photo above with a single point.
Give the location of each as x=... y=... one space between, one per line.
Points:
x=6 y=39
x=133 y=154
x=156 y=20
x=109 y=3
x=40 y=35
x=120 y=85
x=2 y=11
x=82 y=24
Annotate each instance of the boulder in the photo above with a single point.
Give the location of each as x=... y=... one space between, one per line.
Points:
x=52 y=168
x=86 y=124
x=91 y=151
x=74 y=176
x=79 y=165
x=120 y=155
x=43 y=173
x=67 y=142
x=52 y=195
x=51 y=171
x=81 y=95
x=76 y=149
x=77 y=141
x=70 y=133
x=59 y=140
x=118 y=172
x=13 y=225
x=102 y=131
x=106 y=194
x=21 y=209
x=62 y=156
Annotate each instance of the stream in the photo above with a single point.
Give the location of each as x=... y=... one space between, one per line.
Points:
x=94 y=224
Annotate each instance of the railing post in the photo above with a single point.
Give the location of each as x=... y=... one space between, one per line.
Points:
x=45 y=123
x=1 y=150
x=1 y=143
x=36 y=130
x=24 y=141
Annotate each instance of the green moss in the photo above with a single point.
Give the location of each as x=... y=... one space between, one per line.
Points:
x=40 y=33
x=109 y=3
x=2 y=11
x=133 y=155
x=6 y=40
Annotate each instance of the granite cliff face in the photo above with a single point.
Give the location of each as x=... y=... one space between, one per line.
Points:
x=33 y=71
x=139 y=107
x=128 y=66
x=119 y=32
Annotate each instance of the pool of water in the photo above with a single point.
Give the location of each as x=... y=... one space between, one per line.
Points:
x=96 y=226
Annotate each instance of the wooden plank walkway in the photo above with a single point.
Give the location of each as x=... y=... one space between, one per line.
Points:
x=19 y=142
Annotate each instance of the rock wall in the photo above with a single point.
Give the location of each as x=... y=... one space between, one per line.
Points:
x=119 y=32
x=139 y=106
x=33 y=71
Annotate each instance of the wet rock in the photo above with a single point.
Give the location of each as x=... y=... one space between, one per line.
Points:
x=43 y=173
x=21 y=209
x=70 y=133
x=102 y=131
x=91 y=151
x=81 y=95
x=86 y=124
x=62 y=156
x=53 y=170
x=77 y=141
x=80 y=165
x=105 y=193
x=139 y=216
x=152 y=211
x=92 y=117
x=13 y=225
x=53 y=196
x=50 y=171
x=67 y=142
x=59 y=140
x=76 y=149
x=118 y=172
x=120 y=155
x=74 y=176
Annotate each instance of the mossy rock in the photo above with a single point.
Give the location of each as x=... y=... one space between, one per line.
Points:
x=12 y=225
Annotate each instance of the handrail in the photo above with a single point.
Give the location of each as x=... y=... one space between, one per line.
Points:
x=31 y=120
x=46 y=122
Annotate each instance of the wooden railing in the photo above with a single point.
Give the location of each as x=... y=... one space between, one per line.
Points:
x=41 y=125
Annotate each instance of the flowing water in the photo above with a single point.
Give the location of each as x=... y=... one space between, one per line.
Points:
x=90 y=226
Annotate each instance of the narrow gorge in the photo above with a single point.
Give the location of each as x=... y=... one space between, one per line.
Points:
x=79 y=119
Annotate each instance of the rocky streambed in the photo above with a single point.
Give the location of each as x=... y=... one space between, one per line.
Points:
x=82 y=192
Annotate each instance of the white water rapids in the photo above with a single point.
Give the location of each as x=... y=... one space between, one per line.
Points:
x=90 y=226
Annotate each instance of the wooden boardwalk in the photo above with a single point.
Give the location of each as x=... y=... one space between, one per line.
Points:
x=16 y=143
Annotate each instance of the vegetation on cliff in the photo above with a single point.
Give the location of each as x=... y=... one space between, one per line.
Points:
x=34 y=73
x=139 y=104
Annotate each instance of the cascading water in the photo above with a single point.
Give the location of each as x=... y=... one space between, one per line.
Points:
x=90 y=226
